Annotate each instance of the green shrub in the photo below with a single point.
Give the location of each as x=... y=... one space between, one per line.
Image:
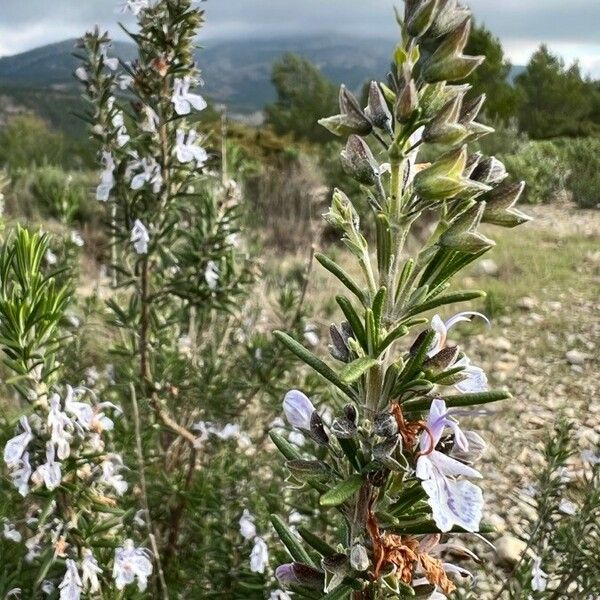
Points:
x=542 y=165
x=583 y=158
x=51 y=192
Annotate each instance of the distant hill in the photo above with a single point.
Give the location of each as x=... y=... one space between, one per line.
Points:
x=237 y=72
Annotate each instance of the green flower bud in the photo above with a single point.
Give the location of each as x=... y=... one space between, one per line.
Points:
x=449 y=15
x=351 y=120
x=419 y=15
x=444 y=178
x=444 y=128
x=499 y=206
x=462 y=235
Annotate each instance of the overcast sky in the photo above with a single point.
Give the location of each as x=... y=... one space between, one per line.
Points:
x=571 y=28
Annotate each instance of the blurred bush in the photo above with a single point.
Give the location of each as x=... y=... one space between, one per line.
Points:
x=27 y=140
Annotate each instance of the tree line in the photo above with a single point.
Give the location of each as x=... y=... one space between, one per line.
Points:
x=548 y=99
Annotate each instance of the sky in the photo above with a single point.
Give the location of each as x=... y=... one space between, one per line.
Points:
x=570 y=28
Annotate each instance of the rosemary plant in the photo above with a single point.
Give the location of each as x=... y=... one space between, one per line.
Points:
x=178 y=272
x=393 y=470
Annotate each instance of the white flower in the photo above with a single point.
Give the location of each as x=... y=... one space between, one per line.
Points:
x=295 y=517
x=48 y=587
x=211 y=274
x=247 y=526
x=90 y=571
x=107 y=178
x=140 y=237
x=33 y=546
x=77 y=239
x=15 y=447
x=183 y=100
x=452 y=501
x=187 y=150
x=150 y=174
x=474 y=378
x=152 y=121
x=296 y=438
x=591 y=457
x=229 y=432
x=279 y=595
x=124 y=81
x=14 y=593
x=539 y=579
x=111 y=63
x=50 y=472
x=111 y=476
x=80 y=411
x=10 y=533
x=70 y=586
x=259 y=557
x=21 y=474
x=310 y=336
x=567 y=507
x=298 y=409
x=59 y=424
x=134 y=6
x=81 y=74
x=50 y=258
x=131 y=563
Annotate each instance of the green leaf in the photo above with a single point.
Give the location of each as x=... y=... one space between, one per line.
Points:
x=357 y=368
x=316 y=363
x=340 y=592
x=288 y=450
x=342 y=491
x=378 y=303
x=465 y=296
x=290 y=541
x=354 y=320
x=338 y=272
x=317 y=543
x=459 y=400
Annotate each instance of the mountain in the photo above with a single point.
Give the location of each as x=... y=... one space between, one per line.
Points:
x=237 y=72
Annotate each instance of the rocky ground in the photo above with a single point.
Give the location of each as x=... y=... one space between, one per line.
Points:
x=542 y=346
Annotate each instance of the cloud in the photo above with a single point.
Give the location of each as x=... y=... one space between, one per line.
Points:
x=568 y=27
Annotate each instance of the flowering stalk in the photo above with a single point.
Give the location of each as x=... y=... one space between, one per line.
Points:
x=394 y=468
x=65 y=472
x=174 y=225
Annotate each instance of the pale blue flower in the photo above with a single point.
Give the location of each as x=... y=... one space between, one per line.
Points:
x=298 y=409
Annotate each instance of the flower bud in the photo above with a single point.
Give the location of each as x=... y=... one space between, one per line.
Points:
x=359 y=162
x=359 y=558
x=444 y=128
x=444 y=178
x=449 y=15
x=476 y=448
x=338 y=347
x=489 y=170
x=448 y=63
x=419 y=16
x=317 y=431
x=442 y=360
x=377 y=110
x=298 y=410
x=341 y=214
x=499 y=206
x=461 y=234
x=343 y=428
x=385 y=425
x=351 y=120
x=350 y=107
x=407 y=101
x=300 y=574
x=471 y=109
